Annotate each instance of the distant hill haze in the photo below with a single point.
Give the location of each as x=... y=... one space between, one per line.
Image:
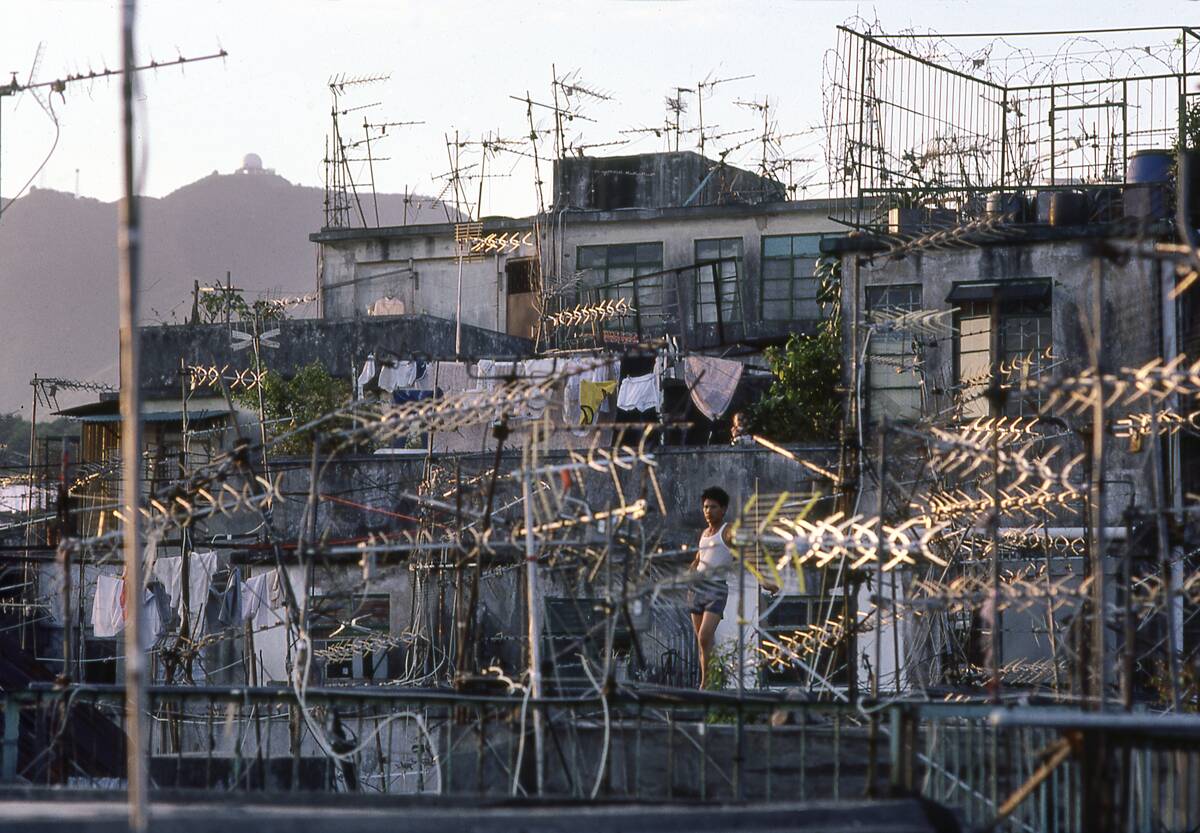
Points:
x=58 y=266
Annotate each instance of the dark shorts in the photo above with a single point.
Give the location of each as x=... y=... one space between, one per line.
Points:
x=708 y=597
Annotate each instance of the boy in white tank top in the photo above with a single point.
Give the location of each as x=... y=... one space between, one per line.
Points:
x=709 y=592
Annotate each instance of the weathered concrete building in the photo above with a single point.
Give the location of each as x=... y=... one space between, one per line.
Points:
x=633 y=227
x=1023 y=308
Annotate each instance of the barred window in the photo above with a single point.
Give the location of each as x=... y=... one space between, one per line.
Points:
x=893 y=381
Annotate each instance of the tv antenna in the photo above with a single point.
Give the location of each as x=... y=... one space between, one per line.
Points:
x=59 y=85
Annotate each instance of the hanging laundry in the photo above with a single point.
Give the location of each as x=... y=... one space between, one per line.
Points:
x=571 y=408
x=277 y=594
x=387 y=305
x=491 y=373
x=399 y=397
x=201 y=566
x=609 y=371
x=451 y=377
x=537 y=370
x=224 y=608
x=256 y=597
x=592 y=396
x=640 y=393
x=712 y=382
x=397 y=375
x=367 y=377
x=108 y=609
x=156 y=613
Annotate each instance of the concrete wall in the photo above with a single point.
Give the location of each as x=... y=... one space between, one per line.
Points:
x=419 y=266
x=655 y=180
x=1133 y=328
x=340 y=345
x=1133 y=323
x=678 y=230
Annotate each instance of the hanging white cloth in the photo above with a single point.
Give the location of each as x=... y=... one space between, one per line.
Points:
x=490 y=373
x=108 y=612
x=370 y=368
x=200 y=573
x=256 y=596
x=397 y=375
x=712 y=383
x=639 y=393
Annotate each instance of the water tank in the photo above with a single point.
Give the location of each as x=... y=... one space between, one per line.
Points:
x=1150 y=166
x=1067 y=208
x=999 y=203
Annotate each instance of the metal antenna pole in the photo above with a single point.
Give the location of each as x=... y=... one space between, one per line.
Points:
x=129 y=244
x=535 y=630
x=1100 y=653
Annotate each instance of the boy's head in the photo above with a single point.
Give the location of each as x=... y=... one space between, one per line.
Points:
x=714 y=501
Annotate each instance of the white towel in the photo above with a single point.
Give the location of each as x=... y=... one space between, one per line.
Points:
x=639 y=393
x=108 y=616
x=200 y=573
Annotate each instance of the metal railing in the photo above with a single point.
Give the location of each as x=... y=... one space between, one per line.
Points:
x=1044 y=770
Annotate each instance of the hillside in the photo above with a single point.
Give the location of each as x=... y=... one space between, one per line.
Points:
x=58 y=265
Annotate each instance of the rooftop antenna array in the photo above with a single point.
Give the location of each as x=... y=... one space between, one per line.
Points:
x=568 y=92
x=341 y=191
x=381 y=128
x=706 y=87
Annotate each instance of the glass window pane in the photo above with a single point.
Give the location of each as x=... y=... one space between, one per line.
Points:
x=650 y=253
x=777 y=246
x=777 y=269
x=806 y=266
x=807 y=244
x=731 y=247
x=622 y=254
x=776 y=310
x=590 y=256
x=776 y=290
x=707 y=250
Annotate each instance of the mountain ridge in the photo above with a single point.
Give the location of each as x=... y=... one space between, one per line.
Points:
x=58 y=265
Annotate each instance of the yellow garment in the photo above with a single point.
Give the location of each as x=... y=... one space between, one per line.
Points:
x=591 y=394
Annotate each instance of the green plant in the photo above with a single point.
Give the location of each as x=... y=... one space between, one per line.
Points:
x=722 y=671
x=803 y=403
x=217 y=301
x=290 y=403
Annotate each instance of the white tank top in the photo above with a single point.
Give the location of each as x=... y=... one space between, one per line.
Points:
x=714 y=552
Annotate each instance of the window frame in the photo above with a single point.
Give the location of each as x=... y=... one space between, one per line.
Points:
x=1040 y=310
x=792 y=280
x=640 y=296
x=904 y=343
x=704 y=311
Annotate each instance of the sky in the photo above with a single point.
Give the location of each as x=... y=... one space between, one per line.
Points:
x=453 y=66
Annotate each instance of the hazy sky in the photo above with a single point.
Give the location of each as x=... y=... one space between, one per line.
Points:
x=452 y=65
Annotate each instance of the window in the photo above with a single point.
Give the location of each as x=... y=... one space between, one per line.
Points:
x=718 y=261
x=342 y=629
x=615 y=271
x=893 y=382
x=810 y=626
x=789 y=289
x=1024 y=341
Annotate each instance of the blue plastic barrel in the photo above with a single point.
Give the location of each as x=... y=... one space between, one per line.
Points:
x=1148 y=166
